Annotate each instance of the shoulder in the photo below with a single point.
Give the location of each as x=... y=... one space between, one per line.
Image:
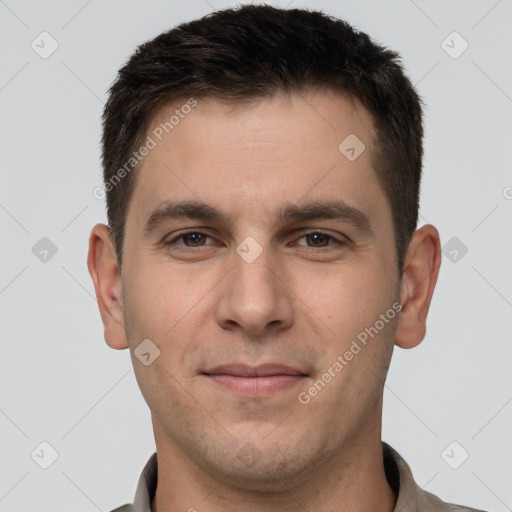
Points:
x=460 y=508
x=432 y=502
x=411 y=497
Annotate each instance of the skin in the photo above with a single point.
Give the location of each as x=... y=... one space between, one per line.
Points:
x=301 y=302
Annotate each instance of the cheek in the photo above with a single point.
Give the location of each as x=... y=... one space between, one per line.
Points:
x=164 y=390
x=158 y=300
x=348 y=300
x=156 y=309
x=167 y=309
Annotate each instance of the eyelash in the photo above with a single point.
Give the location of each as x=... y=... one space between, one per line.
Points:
x=184 y=248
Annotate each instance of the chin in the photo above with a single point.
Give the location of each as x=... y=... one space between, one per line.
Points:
x=270 y=477
x=274 y=468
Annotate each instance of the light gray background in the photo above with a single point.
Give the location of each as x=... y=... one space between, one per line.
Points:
x=59 y=381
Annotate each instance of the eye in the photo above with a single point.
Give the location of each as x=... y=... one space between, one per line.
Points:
x=191 y=239
x=319 y=239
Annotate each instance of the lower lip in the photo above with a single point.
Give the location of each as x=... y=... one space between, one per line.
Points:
x=256 y=386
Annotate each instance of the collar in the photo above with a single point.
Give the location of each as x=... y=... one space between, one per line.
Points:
x=411 y=498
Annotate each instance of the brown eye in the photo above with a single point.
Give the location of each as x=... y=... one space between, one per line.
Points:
x=318 y=239
x=195 y=239
x=188 y=240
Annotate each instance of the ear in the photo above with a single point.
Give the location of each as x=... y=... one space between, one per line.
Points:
x=419 y=278
x=104 y=270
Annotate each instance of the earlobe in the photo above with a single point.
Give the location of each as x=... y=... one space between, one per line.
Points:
x=104 y=271
x=421 y=270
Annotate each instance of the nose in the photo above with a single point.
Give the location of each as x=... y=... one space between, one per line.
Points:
x=255 y=297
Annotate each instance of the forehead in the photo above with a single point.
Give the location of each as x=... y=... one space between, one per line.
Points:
x=324 y=117
x=282 y=148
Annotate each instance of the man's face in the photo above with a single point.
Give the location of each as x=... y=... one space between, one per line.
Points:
x=262 y=284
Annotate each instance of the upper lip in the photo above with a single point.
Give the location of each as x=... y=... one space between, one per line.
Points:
x=263 y=370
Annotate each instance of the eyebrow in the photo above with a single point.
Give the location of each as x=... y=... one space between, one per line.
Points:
x=336 y=210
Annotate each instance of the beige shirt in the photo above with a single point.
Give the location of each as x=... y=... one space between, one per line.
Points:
x=411 y=498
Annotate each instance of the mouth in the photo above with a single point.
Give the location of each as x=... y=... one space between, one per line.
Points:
x=255 y=381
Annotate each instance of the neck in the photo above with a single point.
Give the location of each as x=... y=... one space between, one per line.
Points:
x=352 y=480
